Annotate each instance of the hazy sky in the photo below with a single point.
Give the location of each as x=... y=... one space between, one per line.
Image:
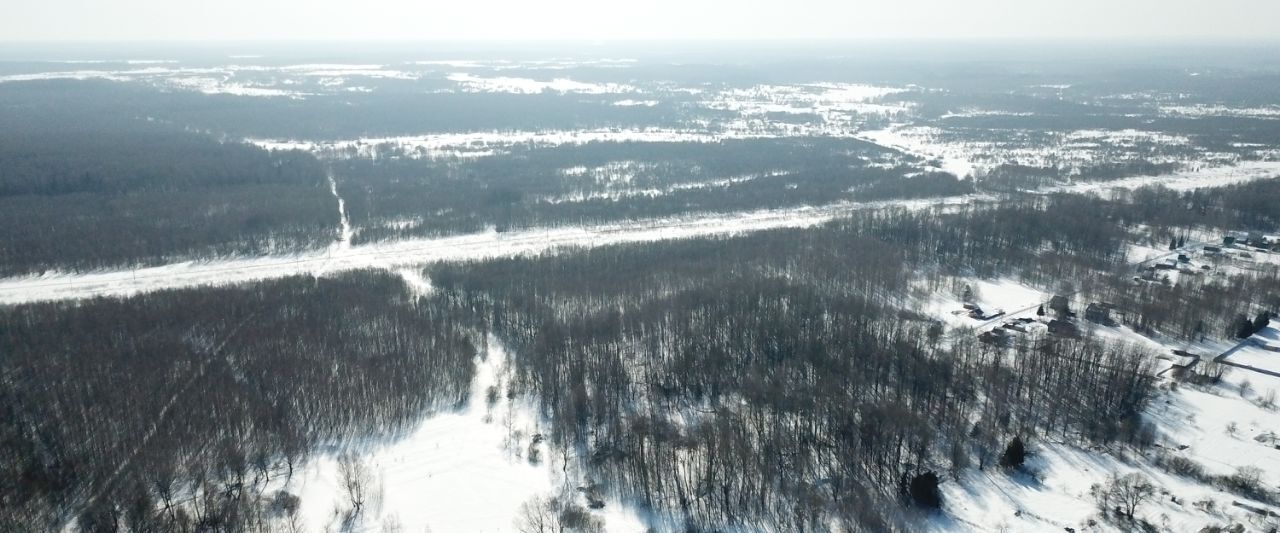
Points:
x=637 y=19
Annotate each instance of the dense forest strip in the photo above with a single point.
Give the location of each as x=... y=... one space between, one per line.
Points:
x=423 y=251
x=85 y=188
x=1216 y=206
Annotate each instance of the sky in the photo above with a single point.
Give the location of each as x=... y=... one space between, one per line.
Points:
x=331 y=20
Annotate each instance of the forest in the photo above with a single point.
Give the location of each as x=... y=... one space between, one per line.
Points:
x=769 y=377
x=828 y=377
x=172 y=411
x=85 y=188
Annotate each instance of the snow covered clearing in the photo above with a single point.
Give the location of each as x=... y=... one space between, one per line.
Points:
x=948 y=158
x=1004 y=297
x=631 y=192
x=1218 y=110
x=545 y=64
x=221 y=79
x=1071 y=152
x=464 y=470
x=1199 y=178
x=834 y=102
x=419 y=285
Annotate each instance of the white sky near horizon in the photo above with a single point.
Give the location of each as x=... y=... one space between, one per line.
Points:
x=200 y=20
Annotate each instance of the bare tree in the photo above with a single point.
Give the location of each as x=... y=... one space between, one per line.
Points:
x=1125 y=494
x=355 y=480
x=539 y=515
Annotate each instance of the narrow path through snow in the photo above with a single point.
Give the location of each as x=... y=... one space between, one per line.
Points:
x=345 y=233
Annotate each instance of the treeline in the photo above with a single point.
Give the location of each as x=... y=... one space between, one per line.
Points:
x=85 y=187
x=776 y=379
x=1199 y=305
x=135 y=157
x=170 y=411
x=1039 y=239
x=1251 y=205
x=930 y=185
x=84 y=231
x=396 y=107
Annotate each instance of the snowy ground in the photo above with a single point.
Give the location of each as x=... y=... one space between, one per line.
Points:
x=943 y=157
x=465 y=470
x=1199 y=178
x=950 y=151
x=1005 y=296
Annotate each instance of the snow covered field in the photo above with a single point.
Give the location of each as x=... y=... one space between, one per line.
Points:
x=452 y=473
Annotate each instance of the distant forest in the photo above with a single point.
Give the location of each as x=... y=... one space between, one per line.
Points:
x=84 y=188
x=620 y=181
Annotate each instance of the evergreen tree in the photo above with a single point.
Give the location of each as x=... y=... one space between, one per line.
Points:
x=1262 y=321
x=923 y=490
x=1244 y=328
x=1015 y=454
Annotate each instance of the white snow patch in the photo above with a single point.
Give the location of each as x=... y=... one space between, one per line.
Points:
x=473 y=83
x=948 y=158
x=417 y=283
x=1212 y=110
x=1198 y=178
x=458 y=471
x=636 y=103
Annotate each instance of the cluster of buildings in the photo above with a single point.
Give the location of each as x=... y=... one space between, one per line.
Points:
x=1055 y=318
